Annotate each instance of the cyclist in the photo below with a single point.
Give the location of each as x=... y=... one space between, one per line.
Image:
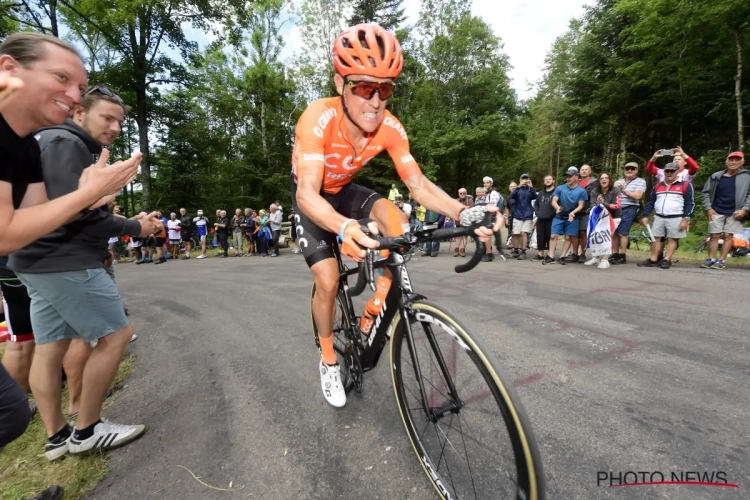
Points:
x=335 y=138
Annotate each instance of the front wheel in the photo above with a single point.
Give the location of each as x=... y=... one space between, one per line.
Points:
x=463 y=417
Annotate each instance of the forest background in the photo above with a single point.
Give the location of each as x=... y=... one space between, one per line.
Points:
x=216 y=124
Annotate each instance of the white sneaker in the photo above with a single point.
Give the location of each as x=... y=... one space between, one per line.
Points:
x=604 y=264
x=133 y=338
x=107 y=436
x=595 y=260
x=201 y=256
x=330 y=382
x=56 y=450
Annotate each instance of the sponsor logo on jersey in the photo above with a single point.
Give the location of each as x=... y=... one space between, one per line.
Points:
x=337 y=145
x=338 y=177
x=346 y=163
x=313 y=157
x=374 y=148
x=393 y=123
x=407 y=159
x=323 y=121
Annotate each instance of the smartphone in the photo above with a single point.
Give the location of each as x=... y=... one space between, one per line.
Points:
x=667 y=152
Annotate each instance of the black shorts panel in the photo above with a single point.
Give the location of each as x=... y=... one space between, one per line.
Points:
x=17 y=307
x=160 y=242
x=353 y=201
x=185 y=236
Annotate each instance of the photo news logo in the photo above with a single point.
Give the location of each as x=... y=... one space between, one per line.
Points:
x=611 y=479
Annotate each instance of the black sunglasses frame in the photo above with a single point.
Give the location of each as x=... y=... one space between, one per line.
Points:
x=105 y=91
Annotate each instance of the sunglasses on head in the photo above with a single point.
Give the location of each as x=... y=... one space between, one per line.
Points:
x=104 y=91
x=366 y=90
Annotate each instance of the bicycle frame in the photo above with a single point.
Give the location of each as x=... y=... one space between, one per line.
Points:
x=399 y=296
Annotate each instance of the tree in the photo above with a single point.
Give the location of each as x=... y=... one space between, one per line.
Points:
x=387 y=13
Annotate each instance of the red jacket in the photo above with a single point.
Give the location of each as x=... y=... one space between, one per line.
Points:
x=692 y=169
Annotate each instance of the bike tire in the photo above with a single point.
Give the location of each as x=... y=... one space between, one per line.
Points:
x=701 y=247
x=528 y=466
x=341 y=335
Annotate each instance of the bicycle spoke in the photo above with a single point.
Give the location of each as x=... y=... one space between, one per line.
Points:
x=466 y=404
x=468 y=463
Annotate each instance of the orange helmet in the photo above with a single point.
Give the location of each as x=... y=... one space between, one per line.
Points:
x=367 y=49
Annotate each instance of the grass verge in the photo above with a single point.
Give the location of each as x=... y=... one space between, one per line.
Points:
x=24 y=471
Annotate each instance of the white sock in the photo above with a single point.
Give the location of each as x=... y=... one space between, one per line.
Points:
x=188 y=254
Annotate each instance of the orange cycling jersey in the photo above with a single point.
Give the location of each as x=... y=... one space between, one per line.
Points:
x=322 y=146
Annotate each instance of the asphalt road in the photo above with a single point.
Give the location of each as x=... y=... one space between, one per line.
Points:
x=621 y=370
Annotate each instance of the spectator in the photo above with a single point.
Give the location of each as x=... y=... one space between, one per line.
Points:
x=264 y=233
x=632 y=188
x=187 y=231
x=221 y=226
x=200 y=222
x=609 y=196
x=160 y=239
x=165 y=222
x=433 y=220
x=481 y=195
x=275 y=219
x=237 y=225
x=588 y=183
x=249 y=227
x=568 y=201
x=492 y=197
x=673 y=204
x=523 y=214
x=726 y=200
x=509 y=217
x=545 y=212
x=72 y=296
x=174 y=229
x=682 y=160
x=392 y=193
x=466 y=201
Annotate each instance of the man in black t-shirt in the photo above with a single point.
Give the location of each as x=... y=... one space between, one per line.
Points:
x=187 y=231
x=222 y=232
x=47 y=76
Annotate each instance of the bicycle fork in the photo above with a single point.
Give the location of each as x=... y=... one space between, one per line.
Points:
x=451 y=406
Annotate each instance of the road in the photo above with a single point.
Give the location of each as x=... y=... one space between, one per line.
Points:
x=627 y=369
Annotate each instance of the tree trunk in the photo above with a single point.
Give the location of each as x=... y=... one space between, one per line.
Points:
x=53 y=17
x=92 y=60
x=263 y=128
x=142 y=118
x=738 y=90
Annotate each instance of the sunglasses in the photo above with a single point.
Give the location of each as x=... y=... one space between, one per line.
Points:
x=104 y=91
x=366 y=90
x=630 y=168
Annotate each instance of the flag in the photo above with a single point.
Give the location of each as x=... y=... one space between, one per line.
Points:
x=600 y=230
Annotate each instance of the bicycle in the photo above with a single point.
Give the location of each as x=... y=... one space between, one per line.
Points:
x=485 y=414
x=639 y=238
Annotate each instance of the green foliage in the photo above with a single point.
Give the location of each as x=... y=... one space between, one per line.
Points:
x=633 y=76
x=387 y=13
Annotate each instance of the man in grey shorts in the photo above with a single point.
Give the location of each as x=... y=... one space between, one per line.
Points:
x=73 y=299
x=673 y=202
x=726 y=200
